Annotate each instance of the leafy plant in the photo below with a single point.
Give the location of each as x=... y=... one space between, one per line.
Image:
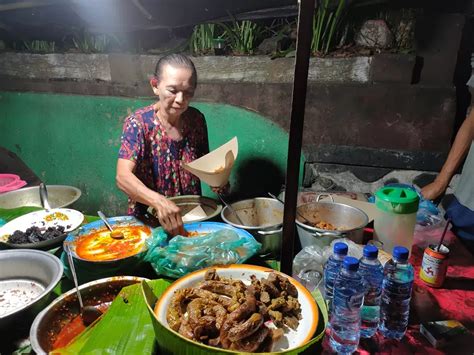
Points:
x=326 y=23
x=202 y=39
x=36 y=46
x=93 y=43
x=242 y=36
x=282 y=33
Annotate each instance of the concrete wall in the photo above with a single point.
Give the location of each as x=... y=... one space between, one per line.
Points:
x=348 y=98
x=74 y=140
x=360 y=111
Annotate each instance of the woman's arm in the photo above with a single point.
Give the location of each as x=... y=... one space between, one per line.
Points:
x=168 y=213
x=458 y=151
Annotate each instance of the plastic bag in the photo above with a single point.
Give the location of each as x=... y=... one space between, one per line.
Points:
x=308 y=266
x=311 y=260
x=183 y=255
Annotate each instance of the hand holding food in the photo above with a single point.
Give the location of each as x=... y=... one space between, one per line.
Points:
x=169 y=216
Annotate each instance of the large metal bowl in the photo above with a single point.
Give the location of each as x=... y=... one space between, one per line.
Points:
x=58 y=196
x=63 y=309
x=349 y=223
x=30 y=270
x=263 y=218
x=187 y=202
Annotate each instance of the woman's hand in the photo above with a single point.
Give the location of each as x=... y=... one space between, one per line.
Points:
x=169 y=216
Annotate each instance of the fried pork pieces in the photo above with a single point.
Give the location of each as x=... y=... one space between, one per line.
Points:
x=228 y=314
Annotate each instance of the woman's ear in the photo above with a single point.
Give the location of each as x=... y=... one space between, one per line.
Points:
x=154 y=85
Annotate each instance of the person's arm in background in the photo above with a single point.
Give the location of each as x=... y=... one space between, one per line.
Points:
x=458 y=151
x=168 y=213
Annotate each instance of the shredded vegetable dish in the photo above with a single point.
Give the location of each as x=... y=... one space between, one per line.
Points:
x=56 y=216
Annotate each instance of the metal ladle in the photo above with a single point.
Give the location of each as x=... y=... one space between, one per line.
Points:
x=88 y=313
x=44 y=197
x=305 y=220
x=113 y=233
x=231 y=209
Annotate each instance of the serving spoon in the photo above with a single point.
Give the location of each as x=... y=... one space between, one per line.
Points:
x=44 y=197
x=115 y=234
x=88 y=313
x=231 y=209
x=305 y=220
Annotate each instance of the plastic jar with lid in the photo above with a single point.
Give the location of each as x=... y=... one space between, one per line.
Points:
x=396 y=217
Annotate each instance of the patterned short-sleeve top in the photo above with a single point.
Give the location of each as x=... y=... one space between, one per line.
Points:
x=159 y=158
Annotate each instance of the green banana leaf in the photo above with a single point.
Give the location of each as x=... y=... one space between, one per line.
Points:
x=170 y=342
x=126 y=328
x=11 y=213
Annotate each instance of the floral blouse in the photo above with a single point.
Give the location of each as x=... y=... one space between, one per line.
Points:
x=158 y=158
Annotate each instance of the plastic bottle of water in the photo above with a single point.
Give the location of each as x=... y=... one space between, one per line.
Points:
x=396 y=294
x=331 y=270
x=349 y=292
x=372 y=272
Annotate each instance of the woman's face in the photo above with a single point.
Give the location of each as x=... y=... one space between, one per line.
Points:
x=175 y=89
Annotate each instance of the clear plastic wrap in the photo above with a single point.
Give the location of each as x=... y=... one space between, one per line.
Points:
x=182 y=255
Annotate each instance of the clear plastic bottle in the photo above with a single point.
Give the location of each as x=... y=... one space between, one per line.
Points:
x=396 y=293
x=331 y=270
x=349 y=292
x=372 y=272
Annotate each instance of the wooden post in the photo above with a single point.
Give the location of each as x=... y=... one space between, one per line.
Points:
x=300 y=83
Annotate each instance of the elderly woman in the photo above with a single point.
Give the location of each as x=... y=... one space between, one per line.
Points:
x=157 y=139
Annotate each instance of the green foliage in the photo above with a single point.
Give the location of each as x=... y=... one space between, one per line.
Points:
x=242 y=36
x=283 y=32
x=326 y=24
x=36 y=46
x=202 y=39
x=94 y=43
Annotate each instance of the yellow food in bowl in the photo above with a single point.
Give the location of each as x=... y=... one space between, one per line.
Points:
x=100 y=246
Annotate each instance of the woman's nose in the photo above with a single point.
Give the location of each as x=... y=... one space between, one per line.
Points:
x=179 y=97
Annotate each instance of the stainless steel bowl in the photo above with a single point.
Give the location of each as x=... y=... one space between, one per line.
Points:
x=263 y=218
x=349 y=223
x=187 y=202
x=25 y=273
x=63 y=309
x=58 y=196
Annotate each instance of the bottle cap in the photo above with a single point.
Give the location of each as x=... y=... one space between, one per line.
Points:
x=350 y=263
x=400 y=253
x=340 y=248
x=371 y=251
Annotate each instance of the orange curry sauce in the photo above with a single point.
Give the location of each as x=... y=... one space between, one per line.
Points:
x=100 y=246
x=72 y=329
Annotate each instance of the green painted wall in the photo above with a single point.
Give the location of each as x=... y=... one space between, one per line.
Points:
x=74 y=140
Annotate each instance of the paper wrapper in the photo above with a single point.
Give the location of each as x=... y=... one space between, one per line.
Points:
x=214 y=168
x=196 y=213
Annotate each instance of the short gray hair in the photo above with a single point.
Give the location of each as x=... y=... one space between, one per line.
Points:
x=176 y=60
